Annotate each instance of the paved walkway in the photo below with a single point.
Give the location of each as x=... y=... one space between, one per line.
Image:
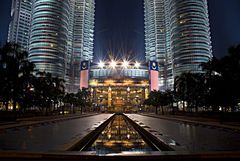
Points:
x=43 y=119
x=197 y=120
x=51 y=135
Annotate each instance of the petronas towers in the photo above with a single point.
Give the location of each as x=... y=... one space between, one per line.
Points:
x=177 y=36
x=59 y=35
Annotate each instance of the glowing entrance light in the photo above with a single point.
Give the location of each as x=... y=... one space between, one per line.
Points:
x=125 y=64
x=137 y=64
x=113 y=64
x=101 y=64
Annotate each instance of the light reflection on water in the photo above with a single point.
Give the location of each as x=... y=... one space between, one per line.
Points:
x=118 y=137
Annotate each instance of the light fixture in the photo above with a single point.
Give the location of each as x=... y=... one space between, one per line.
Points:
x=125 y=64
x=109 y=136
x=113 y=64
x=137 y=64
x=101 y=64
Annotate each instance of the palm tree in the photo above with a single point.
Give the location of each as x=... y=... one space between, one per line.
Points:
x=45 y=88
x=181 y=88
x=15 y=71
x=58 y=91
x=154 y=99
x=69 y=99
x=223 y=75
x=160 y=99
x=230 y=74
x=190 y=88
x=168 y=96
x=83 y=98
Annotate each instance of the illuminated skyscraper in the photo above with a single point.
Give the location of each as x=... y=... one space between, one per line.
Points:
x=19 y=26
x=191 y=42
x=80 y=40
x=58 y=34
x=177 y=36
x=48 y=36
x=157 y=39
x=83 y=37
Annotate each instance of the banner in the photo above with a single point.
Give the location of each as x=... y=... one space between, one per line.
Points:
x=84 y=75
x=154 y=76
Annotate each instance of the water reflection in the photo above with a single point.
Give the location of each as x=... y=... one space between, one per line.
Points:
x=119 y=136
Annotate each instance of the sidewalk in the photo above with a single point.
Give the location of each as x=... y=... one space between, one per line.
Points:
x=41 y=120
x=197 y=120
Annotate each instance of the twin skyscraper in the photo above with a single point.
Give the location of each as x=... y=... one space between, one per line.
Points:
x=59 y=34
x=177 y=36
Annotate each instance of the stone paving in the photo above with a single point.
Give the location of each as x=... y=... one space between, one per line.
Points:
x=184 y=134
x=43 y=119
x=56 y=134
x=197 y=120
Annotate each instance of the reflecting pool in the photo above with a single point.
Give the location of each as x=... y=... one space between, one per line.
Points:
x=118 y=137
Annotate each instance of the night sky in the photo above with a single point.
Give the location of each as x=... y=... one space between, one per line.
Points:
x=119 y=28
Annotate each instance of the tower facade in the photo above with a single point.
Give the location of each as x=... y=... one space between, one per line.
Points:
x=191 y=42
x=19 y=27
x=48 y=36
x=177 y=36
x=57 y=34
x=83 y=29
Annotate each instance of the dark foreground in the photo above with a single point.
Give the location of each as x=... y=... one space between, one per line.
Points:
x=163 y=156
x=49 y=141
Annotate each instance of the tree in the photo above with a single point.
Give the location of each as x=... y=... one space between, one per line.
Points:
x=222 y=79
x=160 y=99
x=154 y=99
x=230 y=74
x=190 y=88
x=69 y=99
x=15 y=73
x=211 y=82
x=83 y=98
x=168 y=97
x=48 y=90
x=58 y=91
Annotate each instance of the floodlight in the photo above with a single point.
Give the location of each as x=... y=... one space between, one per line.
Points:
x=137 y=64
x=101 y=64
x=125 y=64
x=113 y=64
